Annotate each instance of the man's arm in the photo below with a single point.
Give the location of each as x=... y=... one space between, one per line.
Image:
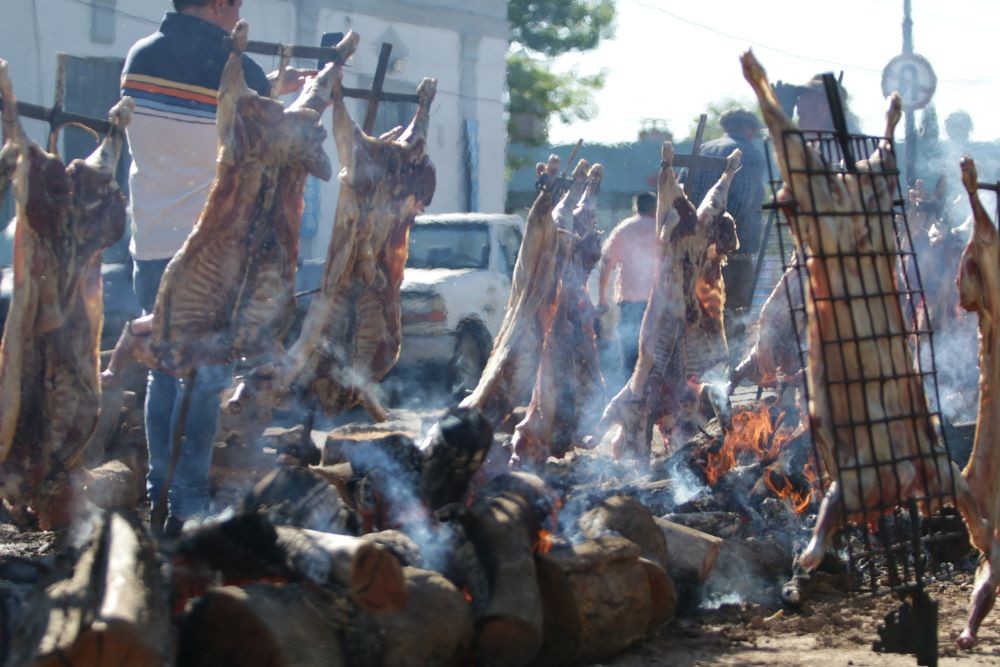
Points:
x=609 y=261
x=293 y=81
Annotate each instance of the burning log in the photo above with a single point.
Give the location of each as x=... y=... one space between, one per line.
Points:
x=50 y=391
x=113 y=610
x=504 y=524
x=692 y=552
x=630 y=519
x=434 y=628
x=369 y=572
x=597 y=601
x=265 y=625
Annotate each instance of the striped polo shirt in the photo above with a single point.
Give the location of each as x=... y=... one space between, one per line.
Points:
x=173 y=75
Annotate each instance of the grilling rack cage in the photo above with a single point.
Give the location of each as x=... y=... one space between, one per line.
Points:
x=895 y=553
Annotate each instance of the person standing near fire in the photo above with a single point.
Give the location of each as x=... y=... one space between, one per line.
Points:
x=174 y=75
x=631 y=249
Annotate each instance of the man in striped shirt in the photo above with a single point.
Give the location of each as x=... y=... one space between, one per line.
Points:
x=173 y=75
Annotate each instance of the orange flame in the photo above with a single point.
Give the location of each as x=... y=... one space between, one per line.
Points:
x=751 y=433
x=466 y=594
x=798 y=501
x=544 y=543
x=755 y=434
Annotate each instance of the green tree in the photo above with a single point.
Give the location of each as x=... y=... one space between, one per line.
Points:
x=540 y=31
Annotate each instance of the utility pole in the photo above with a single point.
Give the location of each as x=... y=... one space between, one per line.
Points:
x=911 y=125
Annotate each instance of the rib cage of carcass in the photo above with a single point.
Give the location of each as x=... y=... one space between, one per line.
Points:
x=228 y=292
x=509 y=375
x=351 y=334
x=568 y=381
x=880 y=444
x=686 y=300
x=50 y=391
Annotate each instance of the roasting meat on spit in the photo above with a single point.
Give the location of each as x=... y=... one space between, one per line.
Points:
x=979 y=291
x=229 y=290
x=50 y=389
x=774 y=356
x=351 y=334
x=510 y=371
x=568 y=383
x=685 y=297
x=867 y=405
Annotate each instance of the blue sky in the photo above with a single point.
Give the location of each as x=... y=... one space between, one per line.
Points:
x=670 y=58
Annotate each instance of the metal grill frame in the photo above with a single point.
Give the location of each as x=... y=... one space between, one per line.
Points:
x=890 y=556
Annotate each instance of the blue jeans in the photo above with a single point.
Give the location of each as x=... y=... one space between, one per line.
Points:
x=629 y=323
x=188 y=495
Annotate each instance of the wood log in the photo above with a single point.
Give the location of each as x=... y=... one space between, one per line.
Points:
x=339 y=475
x=596 y=598
x=113 y=610
x=719 y=524
x=435 y=628
x=504 y=525
x=663 y=595
x=368 y=571
x=263 y=625
x=454 y=452
x=114 y=485
x=629 y=518
x=692 y=552
x=296 y=496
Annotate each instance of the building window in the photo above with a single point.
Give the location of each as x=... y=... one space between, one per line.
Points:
x=102 y=21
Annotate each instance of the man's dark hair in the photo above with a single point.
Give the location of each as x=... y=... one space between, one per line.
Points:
x=181 y=5
x=645 y=203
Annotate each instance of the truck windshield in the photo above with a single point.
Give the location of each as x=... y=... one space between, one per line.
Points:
x=449 y=246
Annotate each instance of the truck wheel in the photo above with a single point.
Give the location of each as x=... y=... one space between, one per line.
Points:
x=467 y=363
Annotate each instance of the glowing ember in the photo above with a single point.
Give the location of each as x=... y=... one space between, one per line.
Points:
x=466 y=594
x=544 y=543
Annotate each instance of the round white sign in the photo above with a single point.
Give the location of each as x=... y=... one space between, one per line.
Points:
x=912 y=77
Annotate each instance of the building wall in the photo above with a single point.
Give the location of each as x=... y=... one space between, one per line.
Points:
x=463 y=47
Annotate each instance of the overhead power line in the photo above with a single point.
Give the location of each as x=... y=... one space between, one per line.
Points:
x=799 y=56
x=119 y=12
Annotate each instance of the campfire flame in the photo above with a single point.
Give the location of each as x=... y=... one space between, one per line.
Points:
x=754 y=433
x=544 y=543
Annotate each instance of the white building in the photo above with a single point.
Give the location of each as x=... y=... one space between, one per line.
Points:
x=460 y=44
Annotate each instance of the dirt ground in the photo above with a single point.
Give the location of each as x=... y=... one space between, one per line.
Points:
x=831 y=629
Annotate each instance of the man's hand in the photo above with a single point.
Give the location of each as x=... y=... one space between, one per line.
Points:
x=293 y=80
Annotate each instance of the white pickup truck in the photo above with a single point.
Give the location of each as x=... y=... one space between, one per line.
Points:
x=454 y=293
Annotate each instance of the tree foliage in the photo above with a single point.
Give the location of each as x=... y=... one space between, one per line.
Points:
x=554 y=27
x=540 y=31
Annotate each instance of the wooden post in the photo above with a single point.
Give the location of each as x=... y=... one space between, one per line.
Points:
x=376 y=93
